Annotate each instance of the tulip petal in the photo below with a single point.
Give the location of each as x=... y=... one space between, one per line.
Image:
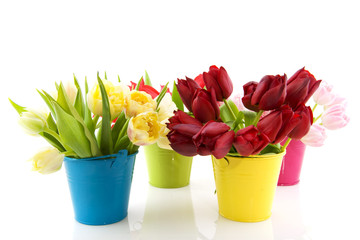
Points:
x=225 y=83
x=187 y=129
x=223 y=144
x=211 y=82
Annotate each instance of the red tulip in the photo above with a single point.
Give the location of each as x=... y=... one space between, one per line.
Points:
x=214 y=138
x=278 y=124
x=249 y=141
x=145 y=88
x=249 y=89
x=303 y=125
x=219 y=80
x=186 y=89
x=270 y=92
x=300 y=87
x=204 y=105
x=200 y=80
x=182 y=129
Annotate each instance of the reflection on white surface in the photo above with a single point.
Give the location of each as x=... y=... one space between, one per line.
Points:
x=168 y=214
x=119 y=230
x=228 y=229
x=287 y=219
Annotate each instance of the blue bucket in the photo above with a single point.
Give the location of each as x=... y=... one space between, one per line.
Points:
x=100 y=187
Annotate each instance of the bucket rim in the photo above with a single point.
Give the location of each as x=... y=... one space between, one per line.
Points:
x=122 y=152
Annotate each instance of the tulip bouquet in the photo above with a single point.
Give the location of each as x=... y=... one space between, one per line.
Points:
x=332 y=116
x=277 y=111
x=109 y=118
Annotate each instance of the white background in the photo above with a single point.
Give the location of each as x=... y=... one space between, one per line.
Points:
x=46 y=41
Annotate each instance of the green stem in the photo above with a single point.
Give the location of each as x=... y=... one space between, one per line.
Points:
x=313 y=109
x=315 y=119
x=285 y=145
x=257 y=118
x=228 y=107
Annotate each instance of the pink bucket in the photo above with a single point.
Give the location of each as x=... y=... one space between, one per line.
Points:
x=291 y=164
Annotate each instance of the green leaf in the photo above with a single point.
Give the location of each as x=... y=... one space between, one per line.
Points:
x=122 y=143
x=176 y=98
x=119 y=78
x=106 y=145
x=249 y=117
x=79 y=101
x=120 y=121
x=147 y=79
x=17 y=107
x=138 y=84
x=72 y=132
x=47 y=99
x=161 y=95
x=51 y=123
x=50 y=139
x=119 y=144
x=225 y=113
x=271 y=148
x=87 y=118
x=238 y=123
x=63 y=98
x=105 y=76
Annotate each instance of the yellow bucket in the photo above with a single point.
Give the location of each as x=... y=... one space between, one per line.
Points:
x=245 y=186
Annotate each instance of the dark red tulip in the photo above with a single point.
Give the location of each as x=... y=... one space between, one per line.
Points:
x=302 y=127
x=182 y=129
x=214 y=138
x=300 y=87
x=249 y=141
x=270 y=92
x=249 y=89
x=219 y=80
x=204 y=105
x=278 y=124
x=187 y=89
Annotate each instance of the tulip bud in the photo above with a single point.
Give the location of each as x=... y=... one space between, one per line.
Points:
x=138 y=102
x=315 y=137
x=249 y=89
x=186 y=89
x=269 y=93
x=219 y=80
x=305 y=116
x=249 y=141
x=144 y=129
x=47 y=161
x=214 y=138
x=204 y=106
x=33 y=121
x=334 y=117
x=323 y=95
x=182 y=128
x=300 y=87
x=277 y=124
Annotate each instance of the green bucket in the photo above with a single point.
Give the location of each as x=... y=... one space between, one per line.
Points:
x=167 y=168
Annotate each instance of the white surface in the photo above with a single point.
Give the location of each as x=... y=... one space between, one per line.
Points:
x=42 y=42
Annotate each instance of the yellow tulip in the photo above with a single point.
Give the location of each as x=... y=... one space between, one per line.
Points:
x=33 y=121
x=163 y=141
x=144 y=129
x=116 y=94
x=47 y=161
x=138 y=102
x=166 y=108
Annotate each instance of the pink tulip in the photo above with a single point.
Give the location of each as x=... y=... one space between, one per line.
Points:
x=334 y=117
x=337 y=100
x=323 y=95
x=315 y=137
x=238 y=102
